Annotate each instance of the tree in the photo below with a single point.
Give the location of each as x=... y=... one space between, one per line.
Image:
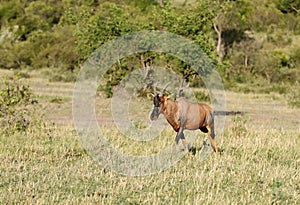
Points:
x=230 y=24
x=288 y=6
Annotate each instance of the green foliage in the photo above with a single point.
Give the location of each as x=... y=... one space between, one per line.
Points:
x=41 y=49
x=265 y=16
x=201 y=96
x=274 y=66
x=93 y=29
x=10 y=10
x=55 y=49
x=32 y=37
x=293 y=98
x=13 y=55
x=17 y=106
x=294 y=53
x=259 y=38
x=21 y=74
x=288 y=6
x=112 y=20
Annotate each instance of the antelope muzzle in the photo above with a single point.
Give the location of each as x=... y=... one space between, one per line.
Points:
x=156 y=110
x=155 y=113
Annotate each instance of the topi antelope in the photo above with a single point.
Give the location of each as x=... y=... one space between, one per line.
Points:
x=182 y=114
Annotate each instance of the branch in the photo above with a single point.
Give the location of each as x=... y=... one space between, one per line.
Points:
x=216 y=29
x=142 y=61
x=294 y=8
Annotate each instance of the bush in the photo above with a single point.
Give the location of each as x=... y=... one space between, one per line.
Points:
x=294 y=98
x=54 y=49
x=18 y=107
x=201 y=96
x=22 y=74
x=60 y=74
x=14 y=54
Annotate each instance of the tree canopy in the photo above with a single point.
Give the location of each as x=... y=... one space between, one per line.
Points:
x=245 y=39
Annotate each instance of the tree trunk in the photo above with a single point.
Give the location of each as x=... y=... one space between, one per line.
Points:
x=219 y=49
x=246 y=60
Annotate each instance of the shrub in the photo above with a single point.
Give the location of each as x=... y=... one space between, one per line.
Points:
x=54 y=49
x=201 y=96
x=18 y=107
x=294 y=98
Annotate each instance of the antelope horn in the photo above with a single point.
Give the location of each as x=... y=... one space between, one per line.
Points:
x=164 y=88
x=154 y=89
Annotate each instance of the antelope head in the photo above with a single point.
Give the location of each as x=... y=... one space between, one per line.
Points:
x=158 y=101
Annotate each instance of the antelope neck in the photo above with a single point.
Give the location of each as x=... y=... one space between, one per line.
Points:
x=170 y=107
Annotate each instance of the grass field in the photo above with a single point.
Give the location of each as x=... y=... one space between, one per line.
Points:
x=260 y=163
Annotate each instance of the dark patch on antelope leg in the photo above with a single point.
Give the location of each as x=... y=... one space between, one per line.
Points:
x=204 y=129
x=179 y=136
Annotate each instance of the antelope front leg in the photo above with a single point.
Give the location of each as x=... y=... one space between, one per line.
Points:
x=179 y=135
x=176 y=142
x=186 y=147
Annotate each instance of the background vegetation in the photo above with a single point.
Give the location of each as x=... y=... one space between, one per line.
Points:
x=17 y=106
x=249 y=41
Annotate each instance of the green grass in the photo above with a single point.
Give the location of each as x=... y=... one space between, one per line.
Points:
x=259 y=165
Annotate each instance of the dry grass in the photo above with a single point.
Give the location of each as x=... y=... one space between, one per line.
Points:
x=50 y=166
x=259 y=165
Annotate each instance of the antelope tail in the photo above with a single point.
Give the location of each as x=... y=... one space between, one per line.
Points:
x=221 y=112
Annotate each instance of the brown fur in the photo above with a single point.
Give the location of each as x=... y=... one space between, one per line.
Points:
x=195 y=115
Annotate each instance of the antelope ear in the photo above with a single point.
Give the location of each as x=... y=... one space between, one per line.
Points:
x=167 y=97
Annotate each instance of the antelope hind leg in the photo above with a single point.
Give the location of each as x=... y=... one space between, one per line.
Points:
x=212 y=139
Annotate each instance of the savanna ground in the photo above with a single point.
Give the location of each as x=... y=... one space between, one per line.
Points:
x=259 y=165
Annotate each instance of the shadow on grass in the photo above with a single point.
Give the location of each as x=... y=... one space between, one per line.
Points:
x=205 y=148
